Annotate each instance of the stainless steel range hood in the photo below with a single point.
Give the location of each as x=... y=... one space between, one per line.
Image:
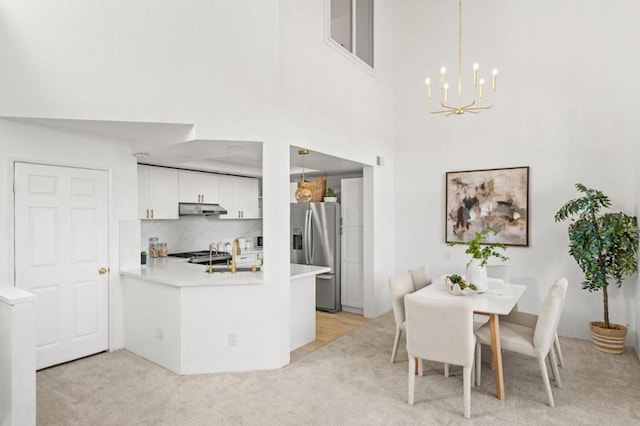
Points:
x=200 y=209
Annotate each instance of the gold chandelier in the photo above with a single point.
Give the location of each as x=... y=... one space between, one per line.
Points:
x=476 y=104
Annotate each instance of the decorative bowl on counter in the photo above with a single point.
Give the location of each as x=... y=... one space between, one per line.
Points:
x=458 y=286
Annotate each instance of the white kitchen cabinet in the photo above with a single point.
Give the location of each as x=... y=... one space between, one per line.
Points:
x=352 y=284
x=199 y=187
x=158 y=193
x=239 y=195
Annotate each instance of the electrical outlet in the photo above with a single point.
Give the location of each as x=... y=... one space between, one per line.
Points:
x=159 y=333
x=232 y=339
x=447 y=255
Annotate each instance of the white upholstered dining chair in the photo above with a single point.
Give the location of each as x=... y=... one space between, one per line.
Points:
x=527 y=319
x=399 y=286
x=421 y=277
x=535 y=342
x=498 y=271
x=441 y=331
x=518 y=317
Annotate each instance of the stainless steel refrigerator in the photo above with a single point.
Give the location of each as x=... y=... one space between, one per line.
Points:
x=315 y=240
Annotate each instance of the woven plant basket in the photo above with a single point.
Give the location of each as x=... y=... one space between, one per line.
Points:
x=609 y=340
x=317 y=187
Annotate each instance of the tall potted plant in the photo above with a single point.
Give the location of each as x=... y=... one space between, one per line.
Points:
x=604 y=246
x=476 y=271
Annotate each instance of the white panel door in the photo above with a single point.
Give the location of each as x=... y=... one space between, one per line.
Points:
x=61 y=244
x=352 y=248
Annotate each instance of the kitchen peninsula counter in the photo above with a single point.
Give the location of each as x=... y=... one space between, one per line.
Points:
x=186 y=320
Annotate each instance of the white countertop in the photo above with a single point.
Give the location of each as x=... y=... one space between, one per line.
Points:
x=178 y=272
x=301 y=271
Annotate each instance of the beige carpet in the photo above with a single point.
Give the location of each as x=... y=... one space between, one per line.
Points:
x=349 y=381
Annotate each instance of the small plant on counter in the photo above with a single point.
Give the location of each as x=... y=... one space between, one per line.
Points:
x=330 y=195
x=475 y=249
x=455 y=279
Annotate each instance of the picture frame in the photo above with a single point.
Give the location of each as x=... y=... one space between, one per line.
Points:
x=477 y=199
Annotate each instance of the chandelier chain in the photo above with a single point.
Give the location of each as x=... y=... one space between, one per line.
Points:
x=459 y=51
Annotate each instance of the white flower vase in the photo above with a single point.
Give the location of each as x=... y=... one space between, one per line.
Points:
x=477 y=275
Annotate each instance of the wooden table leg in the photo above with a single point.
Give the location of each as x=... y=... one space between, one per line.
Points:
x=494 y=326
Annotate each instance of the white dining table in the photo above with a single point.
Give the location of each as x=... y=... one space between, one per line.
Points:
x=499 y=299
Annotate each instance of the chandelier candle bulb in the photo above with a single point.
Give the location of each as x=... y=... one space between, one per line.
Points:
x=475 y=74
x=428 y=83
x=443 y=71
x=481 y=86
x=446 y=88
x=493 y=81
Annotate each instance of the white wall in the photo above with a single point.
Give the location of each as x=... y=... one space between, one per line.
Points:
x=23 y=142
x=212 y=62
x=330 y=103
x=566 y=107
x=222 y=66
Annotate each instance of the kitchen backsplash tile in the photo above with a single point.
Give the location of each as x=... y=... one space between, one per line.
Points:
x=197 y=232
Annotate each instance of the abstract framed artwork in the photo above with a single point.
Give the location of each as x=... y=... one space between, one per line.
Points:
x=477 y=199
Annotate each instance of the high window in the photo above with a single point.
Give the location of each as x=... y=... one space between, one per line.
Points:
x=351 y=26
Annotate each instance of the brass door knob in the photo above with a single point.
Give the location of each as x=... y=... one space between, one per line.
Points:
x=102 y=271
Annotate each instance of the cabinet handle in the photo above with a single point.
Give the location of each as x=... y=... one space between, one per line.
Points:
x=147 y=213
x=151 y=213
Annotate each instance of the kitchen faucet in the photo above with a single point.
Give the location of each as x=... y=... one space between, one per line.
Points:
x=212 y=247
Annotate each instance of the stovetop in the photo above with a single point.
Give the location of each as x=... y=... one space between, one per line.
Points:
x=202 y=256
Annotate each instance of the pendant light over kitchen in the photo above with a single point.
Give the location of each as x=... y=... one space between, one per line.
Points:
x=303 y=193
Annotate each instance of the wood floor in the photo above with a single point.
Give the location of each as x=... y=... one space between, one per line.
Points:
x=328 y=328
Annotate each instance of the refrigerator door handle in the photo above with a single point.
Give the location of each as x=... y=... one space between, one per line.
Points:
x=310 y=238
x=305 y=238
